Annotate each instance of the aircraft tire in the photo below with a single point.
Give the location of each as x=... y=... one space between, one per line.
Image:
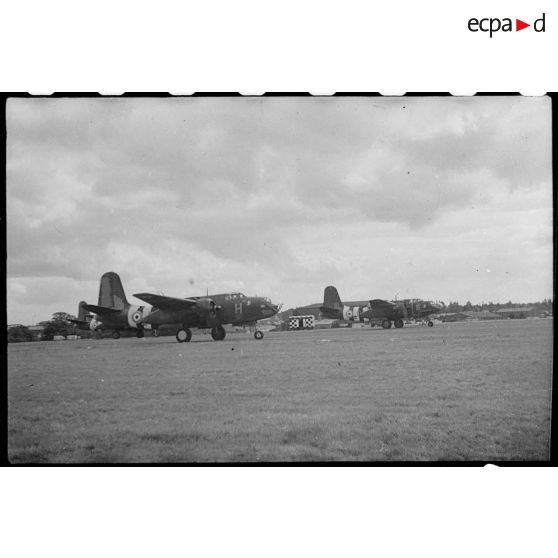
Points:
x=116 y=335
x=140 y=333
x=386 y=324
x=430 y=323
x=258 y=335
x=218 y=333
x=398 y=323
x=183 y=335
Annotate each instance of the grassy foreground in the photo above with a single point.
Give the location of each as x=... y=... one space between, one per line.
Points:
x=465 y=391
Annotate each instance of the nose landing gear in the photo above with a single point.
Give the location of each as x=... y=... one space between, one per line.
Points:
x=258 y=334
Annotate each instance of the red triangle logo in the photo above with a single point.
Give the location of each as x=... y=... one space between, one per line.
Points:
x=519 y=25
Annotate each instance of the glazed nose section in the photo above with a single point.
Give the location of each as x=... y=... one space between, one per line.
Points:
x=275 y=308
x=268 y=308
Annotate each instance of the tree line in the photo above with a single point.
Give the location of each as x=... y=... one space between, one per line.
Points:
x=57 y=325
x=546 y=305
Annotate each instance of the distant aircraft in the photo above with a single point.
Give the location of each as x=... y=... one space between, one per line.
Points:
x=377 y=310
x=210 y=311
x=113 y=312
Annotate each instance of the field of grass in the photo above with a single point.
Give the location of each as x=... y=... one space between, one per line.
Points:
x=463 y=391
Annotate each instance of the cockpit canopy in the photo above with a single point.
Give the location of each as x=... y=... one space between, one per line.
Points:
x=235 y=296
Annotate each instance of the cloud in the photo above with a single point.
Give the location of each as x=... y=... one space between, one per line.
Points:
x=278 y=195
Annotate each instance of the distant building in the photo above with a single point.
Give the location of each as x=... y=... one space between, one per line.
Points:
x=482 y=315
x=519 y=312
x=454 y=317
x=310 y=310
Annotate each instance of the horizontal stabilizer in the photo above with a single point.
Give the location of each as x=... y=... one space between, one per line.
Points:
x=166 y=302
x=101 y=310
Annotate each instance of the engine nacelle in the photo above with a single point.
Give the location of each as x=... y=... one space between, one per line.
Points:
x=206 y=307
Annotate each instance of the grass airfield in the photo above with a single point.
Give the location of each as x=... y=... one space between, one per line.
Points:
x=454 y=392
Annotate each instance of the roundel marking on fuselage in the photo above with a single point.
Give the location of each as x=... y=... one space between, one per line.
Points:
x=135 y=315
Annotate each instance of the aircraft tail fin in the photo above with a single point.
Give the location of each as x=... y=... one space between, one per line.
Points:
x=332 y=298
x=82 y=312
x=332 y=307
x=111 y=292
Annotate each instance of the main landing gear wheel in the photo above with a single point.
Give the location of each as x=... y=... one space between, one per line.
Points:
x=183 y=335
x=398 y=323
x=386 y=324
x=218 y=333
x=140 y=333
x=258 y=334
x=116 y=335
x=430 y=323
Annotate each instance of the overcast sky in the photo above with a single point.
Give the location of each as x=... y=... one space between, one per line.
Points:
x=434 y=198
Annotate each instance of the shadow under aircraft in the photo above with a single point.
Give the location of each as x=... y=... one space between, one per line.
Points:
x=113 y=311
x=377 y=311
x=207 y=312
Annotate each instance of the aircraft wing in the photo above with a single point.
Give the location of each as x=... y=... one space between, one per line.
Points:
x=166 y=302
x=378 y=303
x=101 y=310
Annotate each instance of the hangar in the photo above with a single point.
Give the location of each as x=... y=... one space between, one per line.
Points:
x=519 y=312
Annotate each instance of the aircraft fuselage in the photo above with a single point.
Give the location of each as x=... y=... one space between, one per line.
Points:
x=228 y=308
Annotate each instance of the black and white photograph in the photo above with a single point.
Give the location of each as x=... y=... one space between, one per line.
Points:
x=279 y=279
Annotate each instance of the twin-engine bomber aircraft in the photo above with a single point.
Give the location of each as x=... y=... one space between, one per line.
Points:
x=377 y=311
x=206 y=312
x=113 y=312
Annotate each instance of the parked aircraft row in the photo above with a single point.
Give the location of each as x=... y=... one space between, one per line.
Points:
x=114 y=313
x=377 y=311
